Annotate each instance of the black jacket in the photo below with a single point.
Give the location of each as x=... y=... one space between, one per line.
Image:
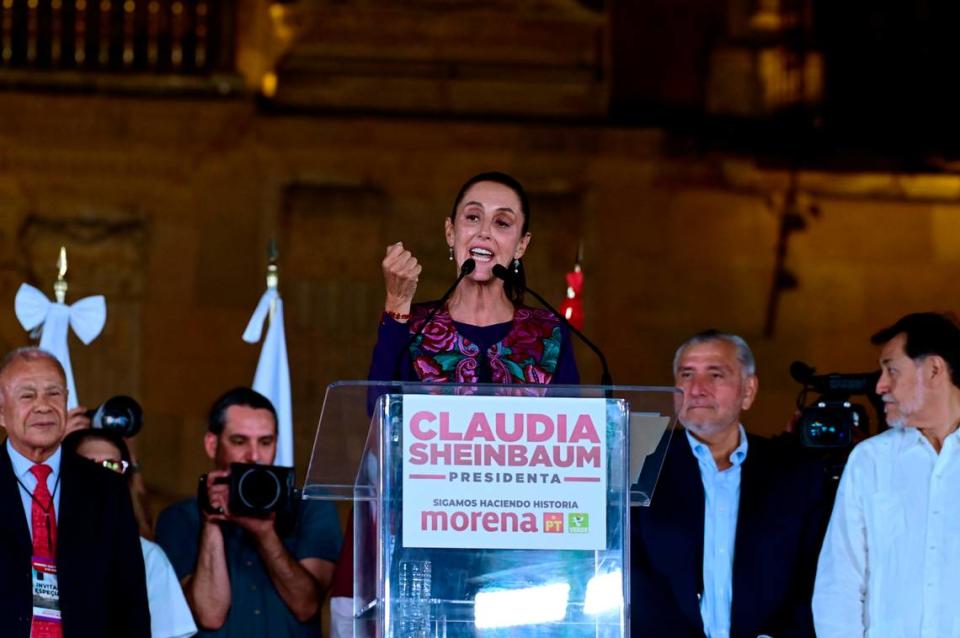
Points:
x=781 y=519
x=99 y=561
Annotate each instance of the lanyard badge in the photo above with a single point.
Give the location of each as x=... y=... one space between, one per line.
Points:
x=46 y=591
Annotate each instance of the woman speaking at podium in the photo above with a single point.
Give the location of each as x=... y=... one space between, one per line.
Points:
x=483 y=333
x=479 y=333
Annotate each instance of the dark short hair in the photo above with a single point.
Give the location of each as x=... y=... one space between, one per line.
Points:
x=927 y=333
x=237 y=396
x=514 y=289
x=73 y=441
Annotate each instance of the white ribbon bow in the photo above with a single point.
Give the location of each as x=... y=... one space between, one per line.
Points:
x=255 y=326
x=86 y=316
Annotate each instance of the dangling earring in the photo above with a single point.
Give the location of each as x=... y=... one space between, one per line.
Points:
x=451 y=253
x=516 y=265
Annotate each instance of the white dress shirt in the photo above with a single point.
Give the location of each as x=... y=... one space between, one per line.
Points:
x=890 y=563
x=170 y=615
x=21 y=469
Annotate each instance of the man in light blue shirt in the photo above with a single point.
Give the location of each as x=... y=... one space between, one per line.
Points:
x=718 y=378
x=726 y=549
x=721 y=493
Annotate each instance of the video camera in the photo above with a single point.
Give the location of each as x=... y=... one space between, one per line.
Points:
x=831 y=419
x=120 y=415
x=255 y=490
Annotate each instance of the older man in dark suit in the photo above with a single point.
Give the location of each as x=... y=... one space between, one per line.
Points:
x=728 y=547
x=70 y=563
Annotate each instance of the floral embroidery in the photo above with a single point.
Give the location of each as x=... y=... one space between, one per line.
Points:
x=528 y=354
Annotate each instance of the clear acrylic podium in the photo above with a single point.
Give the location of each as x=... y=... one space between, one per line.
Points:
x=490 y=510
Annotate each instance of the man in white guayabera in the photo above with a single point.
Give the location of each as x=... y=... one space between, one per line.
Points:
x=890 y=563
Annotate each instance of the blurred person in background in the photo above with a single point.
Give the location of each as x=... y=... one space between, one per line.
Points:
x=169 y=613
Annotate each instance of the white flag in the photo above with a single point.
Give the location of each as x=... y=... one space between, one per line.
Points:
x=272 y=378
x=86 y=317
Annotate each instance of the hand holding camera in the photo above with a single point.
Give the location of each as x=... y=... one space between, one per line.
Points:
x=216 y=509
x=213 y=495
x=248 y=494
x=77 y=419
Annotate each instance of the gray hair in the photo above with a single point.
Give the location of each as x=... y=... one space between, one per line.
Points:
x=744 y=353
x=30 y=353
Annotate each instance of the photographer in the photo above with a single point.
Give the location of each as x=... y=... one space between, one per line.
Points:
x=241 y=574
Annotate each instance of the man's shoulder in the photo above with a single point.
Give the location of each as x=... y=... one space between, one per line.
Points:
x=183 y=512
x=153 y=555
x=184 y=506
x=312 y=513
x=783 y=456
x=177 y=530
x=887 y=440
x=317 y=532
x=6 y=465
x=315 y=506
x=880 y=447
x=679 y=462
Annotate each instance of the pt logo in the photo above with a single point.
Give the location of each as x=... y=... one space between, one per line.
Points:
x=553 y=522
x=578 y=523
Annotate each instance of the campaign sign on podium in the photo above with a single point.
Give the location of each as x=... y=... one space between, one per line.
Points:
x=504 y=472
x=490 y=510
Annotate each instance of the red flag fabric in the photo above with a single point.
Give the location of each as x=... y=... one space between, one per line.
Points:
x=572 y=306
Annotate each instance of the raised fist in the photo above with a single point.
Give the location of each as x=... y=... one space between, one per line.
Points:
x=401 y=273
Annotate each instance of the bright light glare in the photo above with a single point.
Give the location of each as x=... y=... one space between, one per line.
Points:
x=604 y=593
x=527 y=606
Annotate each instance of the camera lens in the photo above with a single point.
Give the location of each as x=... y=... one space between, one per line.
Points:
x=828 y=426
x=259 y=489
x=120 y=414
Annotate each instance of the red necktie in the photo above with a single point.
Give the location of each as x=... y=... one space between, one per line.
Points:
x=43 y=517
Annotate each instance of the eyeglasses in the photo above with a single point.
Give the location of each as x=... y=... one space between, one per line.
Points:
x=120 y=467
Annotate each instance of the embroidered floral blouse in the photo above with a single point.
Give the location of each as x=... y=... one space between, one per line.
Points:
x=532 y=348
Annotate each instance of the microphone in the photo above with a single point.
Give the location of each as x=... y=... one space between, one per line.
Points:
x=466 y=268
x=802 y=372
x=507 y=277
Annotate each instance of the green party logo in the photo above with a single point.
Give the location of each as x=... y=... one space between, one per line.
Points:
x=578 y=523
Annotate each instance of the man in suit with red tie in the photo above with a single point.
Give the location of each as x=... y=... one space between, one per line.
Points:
x=70 y=563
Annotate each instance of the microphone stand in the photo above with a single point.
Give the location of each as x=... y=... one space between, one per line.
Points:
x=466 y=268
x=605 y=378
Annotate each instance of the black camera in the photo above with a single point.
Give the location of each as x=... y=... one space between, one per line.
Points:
x=255 y=490
x=831 y=419
x=120 y=414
